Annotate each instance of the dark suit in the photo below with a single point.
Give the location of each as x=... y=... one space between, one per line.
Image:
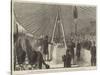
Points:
x=93 y=56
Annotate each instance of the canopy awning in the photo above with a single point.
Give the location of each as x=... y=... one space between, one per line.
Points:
x=39 y=19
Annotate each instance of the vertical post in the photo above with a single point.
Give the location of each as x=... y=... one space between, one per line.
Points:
x=17 y=29
x=75 y=15
x=75 y=21
x=64 y=36
x=54 y=30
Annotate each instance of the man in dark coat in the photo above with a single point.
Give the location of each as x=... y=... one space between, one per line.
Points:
x=78 y=51
x=67 y=59
x=45 y=48
x=93 y=55
x=71 y=47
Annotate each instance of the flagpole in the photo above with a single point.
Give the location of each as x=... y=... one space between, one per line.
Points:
x=75 y=21
x=75 y=14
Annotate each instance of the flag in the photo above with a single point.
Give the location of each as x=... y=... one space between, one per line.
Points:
x=75 y=13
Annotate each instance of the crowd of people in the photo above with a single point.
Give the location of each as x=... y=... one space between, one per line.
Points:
x=72 y=44
x=69 y=58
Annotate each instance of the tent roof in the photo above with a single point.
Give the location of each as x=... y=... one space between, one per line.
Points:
x=39 y=19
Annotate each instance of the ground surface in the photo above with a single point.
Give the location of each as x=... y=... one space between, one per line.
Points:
x=83 y=64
